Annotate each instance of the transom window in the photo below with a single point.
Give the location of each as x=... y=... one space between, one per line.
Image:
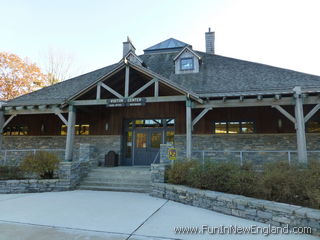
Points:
x=234 y=127
x=82 y=129
x=186 y=64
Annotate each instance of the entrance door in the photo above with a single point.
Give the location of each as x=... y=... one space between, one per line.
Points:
x=147 y=145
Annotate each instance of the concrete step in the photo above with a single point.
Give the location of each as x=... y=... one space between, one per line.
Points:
x=118 y=180
x=127 y=179
x=114 y=184
x=116 y=189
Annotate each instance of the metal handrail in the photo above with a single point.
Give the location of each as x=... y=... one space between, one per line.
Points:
x=241 y=152
x=154 y=160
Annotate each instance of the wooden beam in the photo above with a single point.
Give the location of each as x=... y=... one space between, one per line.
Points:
x=70 y=133
x=255 y=102
x=61 y=118
x=188 y=129
x=300 y=127
x=98 y=95
x=148 y=99
x=156 y=88
x=259 y=97
x=285 y=113
x=142 y=88
x=127 y=81
x=111 y=90
x=197 y=119
x=8 y=120
x=311 y=113
x=32 y=110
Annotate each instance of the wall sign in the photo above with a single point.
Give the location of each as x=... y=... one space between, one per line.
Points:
x=126 y=102
x=172 y=154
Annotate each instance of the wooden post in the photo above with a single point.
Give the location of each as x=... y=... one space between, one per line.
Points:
x=1 y=127
x=156 y=88
x=70 y=133
x=126 y=88
x=300 y=126
x=188 y=129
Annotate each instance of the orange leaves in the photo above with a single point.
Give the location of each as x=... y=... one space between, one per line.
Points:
x=18 y=77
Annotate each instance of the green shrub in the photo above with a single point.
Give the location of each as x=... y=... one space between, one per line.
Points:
x=283 y=183
x=279 y=181
x=178 y=172
x=312 y=183
x=11 y=172
x=43 y=164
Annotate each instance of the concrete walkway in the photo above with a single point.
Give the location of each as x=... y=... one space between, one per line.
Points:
x=109 y=215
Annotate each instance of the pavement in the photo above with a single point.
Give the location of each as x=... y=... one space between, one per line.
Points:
x=93 y=215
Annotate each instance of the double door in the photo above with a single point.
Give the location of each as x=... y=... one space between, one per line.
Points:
x=147 y=146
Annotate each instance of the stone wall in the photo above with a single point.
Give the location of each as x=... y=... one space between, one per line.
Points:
x=273 y=213
x=246 y=142
x=99 y=146
x=34 y=185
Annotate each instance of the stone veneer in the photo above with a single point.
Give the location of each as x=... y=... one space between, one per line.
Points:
x=273 y=213
x=99 y=146
x=246 y=142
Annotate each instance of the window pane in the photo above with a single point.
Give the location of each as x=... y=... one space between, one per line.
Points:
x=170 y=122
x=63 y=130
x=220 y=127
x=141 y=140
x=313 y=127
x=129 y=145
x=247 y=127
x=170 y=137
x=155 y=140
x=233 y=127
x=186 y=63
x=85 y=129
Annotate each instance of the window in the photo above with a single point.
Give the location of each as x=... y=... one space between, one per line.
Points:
x=186 y=64
x=82 y=129
x=16 y=131
x=313 y=127
x=234 y=127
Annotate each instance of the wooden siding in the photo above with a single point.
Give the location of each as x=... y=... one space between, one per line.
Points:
x=265 y=118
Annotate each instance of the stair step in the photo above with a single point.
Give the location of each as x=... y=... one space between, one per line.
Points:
x=127 y=184
x=117 y=189
x=118 y=180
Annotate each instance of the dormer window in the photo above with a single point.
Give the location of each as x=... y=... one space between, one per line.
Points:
x=187 y=61
x=186 y=64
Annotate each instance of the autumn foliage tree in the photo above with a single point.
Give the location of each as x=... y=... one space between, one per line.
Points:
x=18 y=76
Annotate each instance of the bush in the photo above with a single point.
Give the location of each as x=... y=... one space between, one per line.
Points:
x=43 y=164
x=312 y=182
x=178 y=172
x=11 y=172
x=278 y=181
x=283 y=183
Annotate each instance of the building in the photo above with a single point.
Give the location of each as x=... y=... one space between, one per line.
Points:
x=172 y=93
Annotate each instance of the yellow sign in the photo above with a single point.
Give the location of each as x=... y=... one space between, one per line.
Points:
x=172 y=153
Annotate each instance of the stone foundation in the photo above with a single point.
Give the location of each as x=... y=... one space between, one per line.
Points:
x=246 y=142
x=273 y=213
x=99 y=146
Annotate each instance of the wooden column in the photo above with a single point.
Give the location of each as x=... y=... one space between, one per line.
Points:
x=126 y=87
x=300 y=126
x=70 y=133
x=188 y=129
x=1 y=127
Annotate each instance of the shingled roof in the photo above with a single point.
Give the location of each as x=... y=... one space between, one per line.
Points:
x=218 y=76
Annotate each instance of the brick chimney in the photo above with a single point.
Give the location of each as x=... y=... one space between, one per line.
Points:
x=128 y=46
x=210 y=42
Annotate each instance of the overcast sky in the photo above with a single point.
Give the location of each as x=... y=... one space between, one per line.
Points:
x=283 y=33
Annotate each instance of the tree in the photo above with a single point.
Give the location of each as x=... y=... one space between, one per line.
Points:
x=57 y=65
x=18 y=77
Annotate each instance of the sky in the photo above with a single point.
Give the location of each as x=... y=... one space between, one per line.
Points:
x=282 y=33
